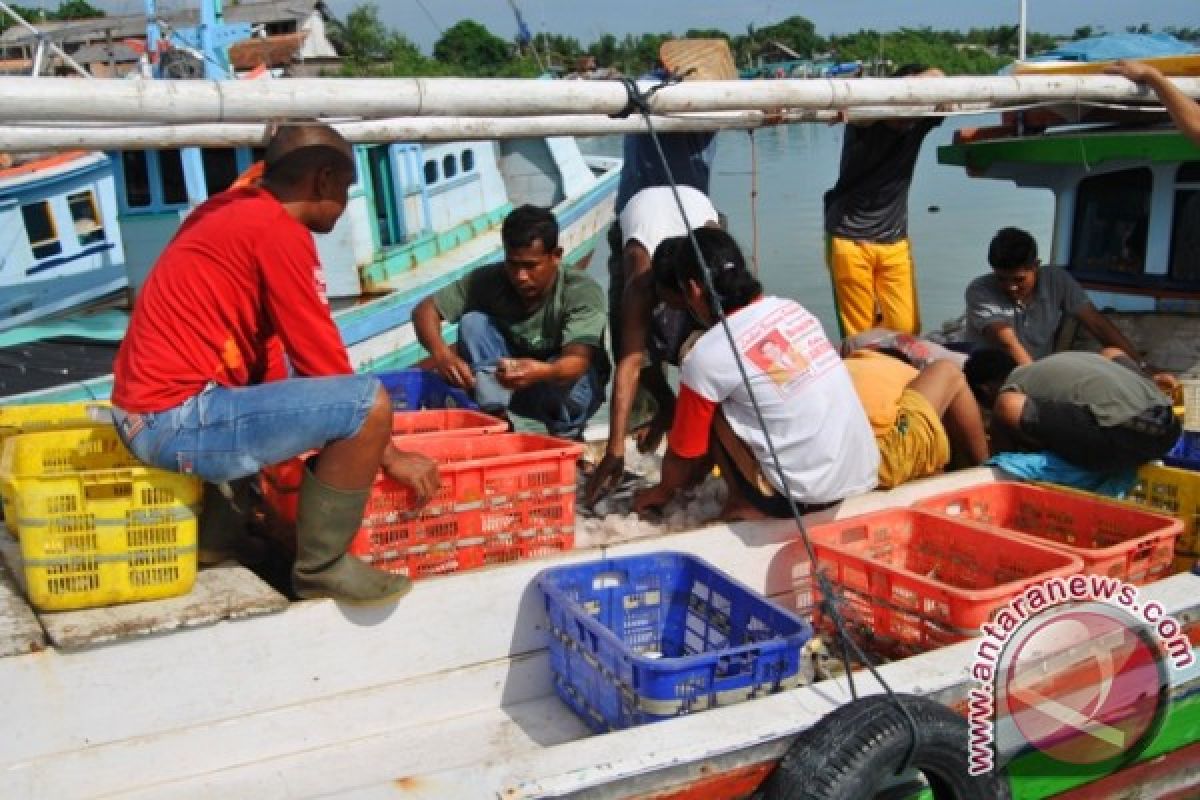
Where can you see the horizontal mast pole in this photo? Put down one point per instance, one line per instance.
(84, 136)
(116, 100)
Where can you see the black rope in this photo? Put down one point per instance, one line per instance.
(639, 101)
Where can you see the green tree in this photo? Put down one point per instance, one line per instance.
(796, 33)
(1082, 32)
(369, 47)
(473, 48)
(76, 9)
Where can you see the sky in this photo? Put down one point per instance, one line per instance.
(423, 20)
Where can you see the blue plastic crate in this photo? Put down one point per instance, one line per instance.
(1186, 452)
(418, 389)
(646, 638)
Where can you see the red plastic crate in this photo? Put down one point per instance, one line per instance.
(504, 497)
(445, 421)
(1113, 539)
(912, 580)
(281, 482)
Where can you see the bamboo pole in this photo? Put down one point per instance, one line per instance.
(91, 136)
(115, 100)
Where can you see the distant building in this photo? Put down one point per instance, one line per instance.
(290, 35)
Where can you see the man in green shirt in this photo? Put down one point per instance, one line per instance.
(1097, 410)
(530, 332)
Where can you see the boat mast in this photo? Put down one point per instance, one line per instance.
(42, 43)
(1020, 30)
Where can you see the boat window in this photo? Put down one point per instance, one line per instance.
(170, 163)
(39, 225)
(431, 172)
(468, 160)
(137, 178)
(1112, 212)
(220, 168)
(1185, 227)
(86, 216)
(450, 166)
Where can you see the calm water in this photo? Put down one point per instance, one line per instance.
(796, 164)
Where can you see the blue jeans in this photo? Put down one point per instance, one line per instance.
(226, 433)
(564, 410)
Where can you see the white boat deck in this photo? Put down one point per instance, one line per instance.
(447, 694)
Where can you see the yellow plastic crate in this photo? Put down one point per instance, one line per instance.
(52, 416)
(97, 526)
(50, 452)
(1175, 491)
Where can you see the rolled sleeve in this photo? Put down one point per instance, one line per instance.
(1074, 298)
(986, 306)
(451, 301)
(585, 316)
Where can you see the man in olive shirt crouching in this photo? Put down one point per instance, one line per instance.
(530, 331)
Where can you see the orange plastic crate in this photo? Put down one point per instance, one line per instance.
(504, 497)
(912, 580)
(281, 482)
(445, 421)
(1112, 538)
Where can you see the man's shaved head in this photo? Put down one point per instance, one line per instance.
(298, 150)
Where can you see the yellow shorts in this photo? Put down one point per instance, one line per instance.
(916, 446)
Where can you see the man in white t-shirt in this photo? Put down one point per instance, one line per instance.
(638, 323)
(817, 425)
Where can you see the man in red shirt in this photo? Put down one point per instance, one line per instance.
(201, 381)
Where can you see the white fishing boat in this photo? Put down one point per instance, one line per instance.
(232, 691)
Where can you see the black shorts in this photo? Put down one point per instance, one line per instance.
(1072, 432)
(773, 505)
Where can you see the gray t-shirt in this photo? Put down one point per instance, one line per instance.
(1113, 393)
(869, 202)
(1035, 322)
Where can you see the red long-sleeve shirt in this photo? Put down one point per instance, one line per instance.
(238, 286)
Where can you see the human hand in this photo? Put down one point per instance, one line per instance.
(650, 437)
(604, 479)
(1135, 71)
(1167, 382)
(416, 471)
(518, 373)
(454, 369)
(650, 501)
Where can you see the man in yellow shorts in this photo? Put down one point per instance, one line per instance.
(919, 417)
(866, 222)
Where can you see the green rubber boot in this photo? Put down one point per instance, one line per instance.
(327, 520)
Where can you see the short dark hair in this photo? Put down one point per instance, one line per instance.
(912, 68)
(297, 150)
(987, 365)
(527, 224)
(675, 261)
(1012, 248)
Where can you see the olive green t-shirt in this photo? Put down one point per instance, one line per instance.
(1114, 394)
(573, 312)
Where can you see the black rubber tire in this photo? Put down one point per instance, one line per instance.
(853, 751)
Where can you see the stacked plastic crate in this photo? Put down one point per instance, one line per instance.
(504, 496)
(96, 526)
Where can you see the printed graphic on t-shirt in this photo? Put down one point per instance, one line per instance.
(319, 283)
(789, 346)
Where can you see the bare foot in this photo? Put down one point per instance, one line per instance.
(739, 512)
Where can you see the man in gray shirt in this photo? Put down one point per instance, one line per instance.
(1020, 305)
(1096, 410)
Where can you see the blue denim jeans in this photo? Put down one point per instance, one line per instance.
(564, 410)
(226, 433)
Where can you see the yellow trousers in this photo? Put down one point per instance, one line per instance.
(868, 277)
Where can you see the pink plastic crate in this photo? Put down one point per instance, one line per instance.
(1113, 539)
(912, 580)
(504, 497)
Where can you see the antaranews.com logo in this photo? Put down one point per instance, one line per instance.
(1076, 668)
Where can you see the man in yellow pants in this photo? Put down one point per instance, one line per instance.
(866, 222)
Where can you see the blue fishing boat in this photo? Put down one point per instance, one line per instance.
(419, 216)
